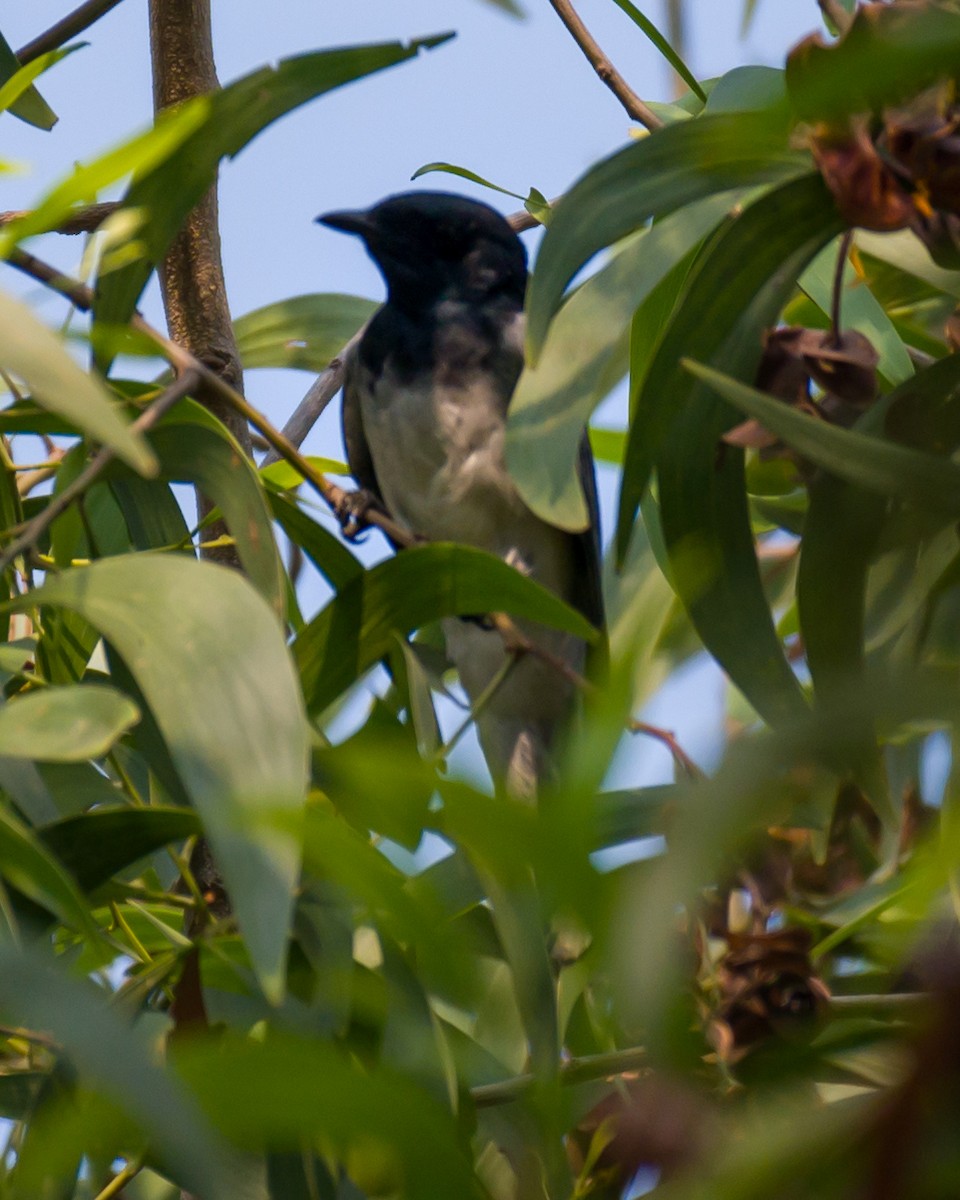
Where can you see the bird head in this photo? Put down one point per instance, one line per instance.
(431, 246)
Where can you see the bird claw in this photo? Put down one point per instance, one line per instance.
(351, 511)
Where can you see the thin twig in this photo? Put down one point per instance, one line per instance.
(680, 756)
(335, 496)
(73, 23)
(82, 220)
(576, 1070)
(188, 381)
(608, 73)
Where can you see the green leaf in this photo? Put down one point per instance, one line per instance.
(327, 553)
(747, 89)
(25, 103)
(841, 534)
(135, 157)
(463, 173)
(65, 724)
(420, 585)
(283, 1090)
(905, 251)
(34, 353)
(28, 865)
(885, 57)
(553, 400)
(18, 96)
(304, 333)
(870, 462)
(661, 43)
(94, 846)
(859, 310)
(120, 1063)
(672, 167)
(234, 116)
(192, 445)
(735, 292)
(150, 512)
(233, 722)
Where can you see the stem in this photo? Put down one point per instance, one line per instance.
(500, 675)
(680, 756)
(73, 23)
(121, 1179)
(635, 107)
(837, 298)
(576, 1070)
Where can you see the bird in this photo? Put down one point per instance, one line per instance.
(425, 401)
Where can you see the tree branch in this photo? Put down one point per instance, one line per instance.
(191, 275)
(73, 23)
(635, 107)
(515, 640)
(83, 220)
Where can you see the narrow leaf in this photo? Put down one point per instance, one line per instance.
(34, 353)
(304, 333)
(420, 585)
(672, 167)
(553, 400)
(870, 462)
(233, 722)
(65, 724)
(673, 58)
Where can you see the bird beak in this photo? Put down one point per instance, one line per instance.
(350, 221)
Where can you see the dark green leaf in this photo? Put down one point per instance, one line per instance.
(420, 585)
(736, 290)
(304, 332)
(327, 553)
(578, 365)
(17, 93)
(193, 445)
(661, 43)
(27, 864)
(93, 846)
(120, 1062)
(233, 116)
(233, 722)
(869, 462)
(281, 1091)
(672, 167)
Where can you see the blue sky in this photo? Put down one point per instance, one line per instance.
(513, 100)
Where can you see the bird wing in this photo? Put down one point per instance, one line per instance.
(359, 458)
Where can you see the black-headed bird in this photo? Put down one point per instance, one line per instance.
(425, 405)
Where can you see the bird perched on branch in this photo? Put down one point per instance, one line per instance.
(424, 419)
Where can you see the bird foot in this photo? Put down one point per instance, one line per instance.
(351, 511)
